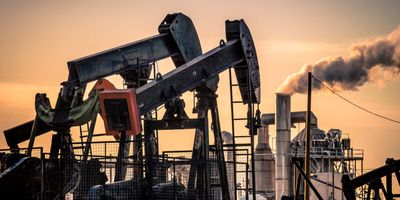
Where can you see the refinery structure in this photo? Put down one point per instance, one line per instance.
(309, 164)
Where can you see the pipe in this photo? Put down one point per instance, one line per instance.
(282, 164)
(295, 117)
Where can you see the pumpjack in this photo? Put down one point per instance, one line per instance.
(373, 180)
(121, 110)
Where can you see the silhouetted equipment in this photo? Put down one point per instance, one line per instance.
(177, 39)
(122, 110)
(373, 180)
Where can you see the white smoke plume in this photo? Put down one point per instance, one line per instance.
(376, 60)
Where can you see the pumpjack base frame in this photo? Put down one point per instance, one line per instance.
(204, 173)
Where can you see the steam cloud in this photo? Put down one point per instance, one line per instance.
(375, 60)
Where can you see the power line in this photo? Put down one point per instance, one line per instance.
(354, 104)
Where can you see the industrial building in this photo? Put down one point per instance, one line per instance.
(331, 155)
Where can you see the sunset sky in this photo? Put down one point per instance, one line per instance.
(38, 38)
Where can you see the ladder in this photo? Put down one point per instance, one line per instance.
(249, 143)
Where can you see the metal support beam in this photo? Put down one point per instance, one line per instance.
(203, 173)
(219, 151)
(90, 133)
(122, 159)
(199, 152)
(308, 182)
(33, 135)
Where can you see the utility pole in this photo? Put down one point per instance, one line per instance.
(308, 139)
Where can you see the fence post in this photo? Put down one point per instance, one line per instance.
(247, 180)
(174, 179)
(42, 175)
(60, 178)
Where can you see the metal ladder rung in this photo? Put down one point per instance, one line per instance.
(240, 119)
(238, 145)
(94, 135)
(244, 189)
(243, 144)
(242, 136)
(239, 85)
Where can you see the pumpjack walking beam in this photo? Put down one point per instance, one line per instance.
(177, 39)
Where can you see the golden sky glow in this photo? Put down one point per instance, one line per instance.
(37, 38)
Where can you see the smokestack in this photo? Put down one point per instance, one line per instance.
(282, 163)
(375, 60)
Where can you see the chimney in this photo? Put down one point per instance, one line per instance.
(282, 163)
